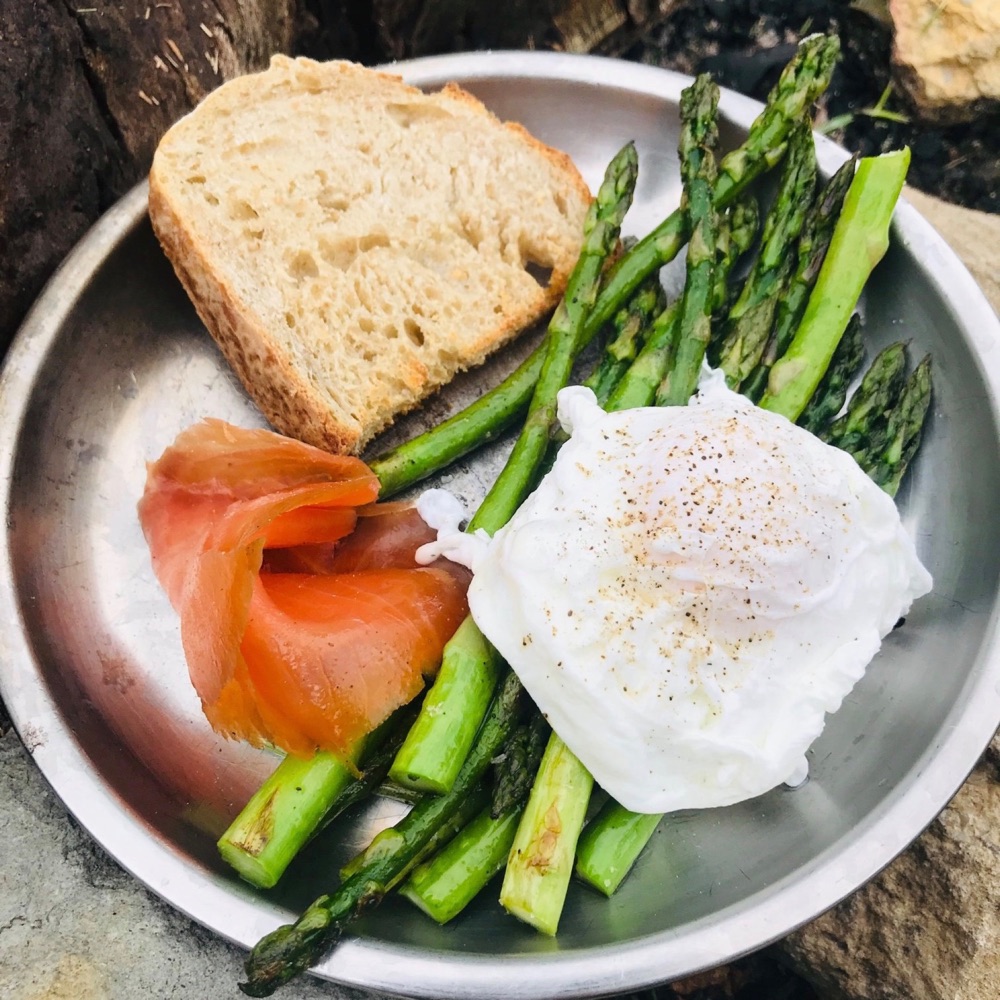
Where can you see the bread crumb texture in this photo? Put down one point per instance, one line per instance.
(353, 243)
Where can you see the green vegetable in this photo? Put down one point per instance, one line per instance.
(699, 134)
(630, 328)
(906, 426)
(859, 242)
(445, 885)
(752, 316)
(541, 857)
(288, 951)
(831, 394)
(813, 244)
(611, 845)
(432, 753)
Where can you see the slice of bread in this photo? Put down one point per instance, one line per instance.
(353, 243)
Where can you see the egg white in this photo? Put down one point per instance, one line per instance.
(690, 591)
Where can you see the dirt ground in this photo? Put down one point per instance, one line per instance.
(744, 44)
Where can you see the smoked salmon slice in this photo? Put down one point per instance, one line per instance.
(304, 617)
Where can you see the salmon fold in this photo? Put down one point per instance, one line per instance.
(304, 617)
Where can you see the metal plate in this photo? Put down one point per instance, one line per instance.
(112, 363)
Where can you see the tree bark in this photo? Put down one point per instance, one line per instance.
(86, 90)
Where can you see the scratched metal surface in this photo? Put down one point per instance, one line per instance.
(113, 363)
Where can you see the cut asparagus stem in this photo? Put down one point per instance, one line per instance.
(443, 886)
(283, 814)
(429, 760)
(804, 78)
(752, 316)
(302, 796)
(859, 242)
(611, 845)
(906, 424)
(629, 329)
(432, 753)
(699, 134)
(541, 857)
(829, 398)
(292, 948)
(813, 244)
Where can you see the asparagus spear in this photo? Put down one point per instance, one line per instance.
(601, 230)
(828, 399)
(387, 839)
(699, 134)
(292, 948)
(804, 78)
(437, 742)
(906, 425)
(432, 754)
(443, 886)
(737, 231)
(541, 857)
(860, 240)
(516, 767)
(813, 244)
(752, 316)
(611, 845)
(863, 430)
(283, 814)
(301, 796)
(630, 326)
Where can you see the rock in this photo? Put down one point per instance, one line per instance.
(947, 56)
(928, 927)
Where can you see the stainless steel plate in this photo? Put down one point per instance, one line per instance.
(113, 363)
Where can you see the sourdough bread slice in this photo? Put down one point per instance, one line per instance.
(352, 243)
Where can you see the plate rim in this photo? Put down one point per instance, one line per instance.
(407, 970)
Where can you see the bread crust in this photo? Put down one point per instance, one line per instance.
(279, 384)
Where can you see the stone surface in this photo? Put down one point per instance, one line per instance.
(947, 55)
(75, 926)
(928, 928)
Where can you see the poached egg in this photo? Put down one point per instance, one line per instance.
(688, 593)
